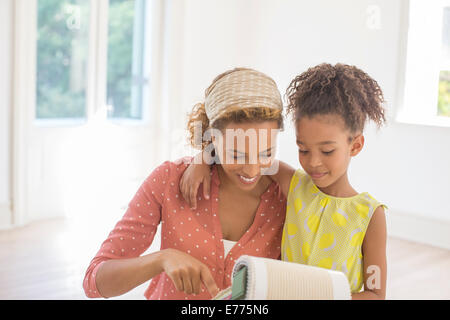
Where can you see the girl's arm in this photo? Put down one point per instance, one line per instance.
(283, 176)
(374, 251)
(196, 173)
(199, 173)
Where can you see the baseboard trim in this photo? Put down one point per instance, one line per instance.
(5, 216)
(419, 229)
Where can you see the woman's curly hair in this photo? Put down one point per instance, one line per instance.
(342, 90)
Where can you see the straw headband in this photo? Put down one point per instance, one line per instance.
(243, 89)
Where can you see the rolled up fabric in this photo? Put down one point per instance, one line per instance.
(269, 279)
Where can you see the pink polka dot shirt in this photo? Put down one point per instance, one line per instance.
(197, 232)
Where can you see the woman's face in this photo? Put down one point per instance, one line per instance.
(245, 151)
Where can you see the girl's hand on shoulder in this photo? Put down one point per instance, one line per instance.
(187, 273)
(283, 176)
(192, 177)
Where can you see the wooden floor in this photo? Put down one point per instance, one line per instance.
(47, 260)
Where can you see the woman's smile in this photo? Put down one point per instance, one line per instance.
(246, 180)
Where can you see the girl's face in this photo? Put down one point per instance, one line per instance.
(245, 150)
(325, 148)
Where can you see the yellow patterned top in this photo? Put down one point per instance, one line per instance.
(325, 231)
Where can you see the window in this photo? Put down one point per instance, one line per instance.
(64, 89)
(126, 79)
(444, 93)
(444, 74)
(426, 98)
(62, 52)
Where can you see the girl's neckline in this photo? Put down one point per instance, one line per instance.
(323, 194)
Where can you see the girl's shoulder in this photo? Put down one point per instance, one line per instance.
(365, 204)
(301, 184)
(302, 189)
(360, 207)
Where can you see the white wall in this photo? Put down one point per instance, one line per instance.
(284, 38)
(405, 166)
(5, 109)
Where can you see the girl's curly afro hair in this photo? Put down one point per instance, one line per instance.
(342, 90)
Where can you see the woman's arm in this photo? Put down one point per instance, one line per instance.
(131, 236)
(374, 251)
(116, 277)
(118, 267)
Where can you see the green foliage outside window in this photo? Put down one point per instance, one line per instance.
(62, 58)
(62, 51)
(444, 94)
(120, 55)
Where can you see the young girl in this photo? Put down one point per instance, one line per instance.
(328, 223)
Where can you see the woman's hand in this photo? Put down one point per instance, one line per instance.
(187, 273)
(194, 175)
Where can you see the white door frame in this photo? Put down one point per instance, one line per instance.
(6, 34)
(24, 76)
(24, 88)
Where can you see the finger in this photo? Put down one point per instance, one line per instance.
(177, 282)
(193, 196)
(187, 196)
(209, 282)
(195, 280)
(181, 184)
(184, 193)
(187, 283)
(206, 187)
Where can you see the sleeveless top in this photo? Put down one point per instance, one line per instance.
(326, 231)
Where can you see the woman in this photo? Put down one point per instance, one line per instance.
(244, 214)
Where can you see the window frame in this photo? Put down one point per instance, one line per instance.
(96, 86)
(144, 67)
(418, 81)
